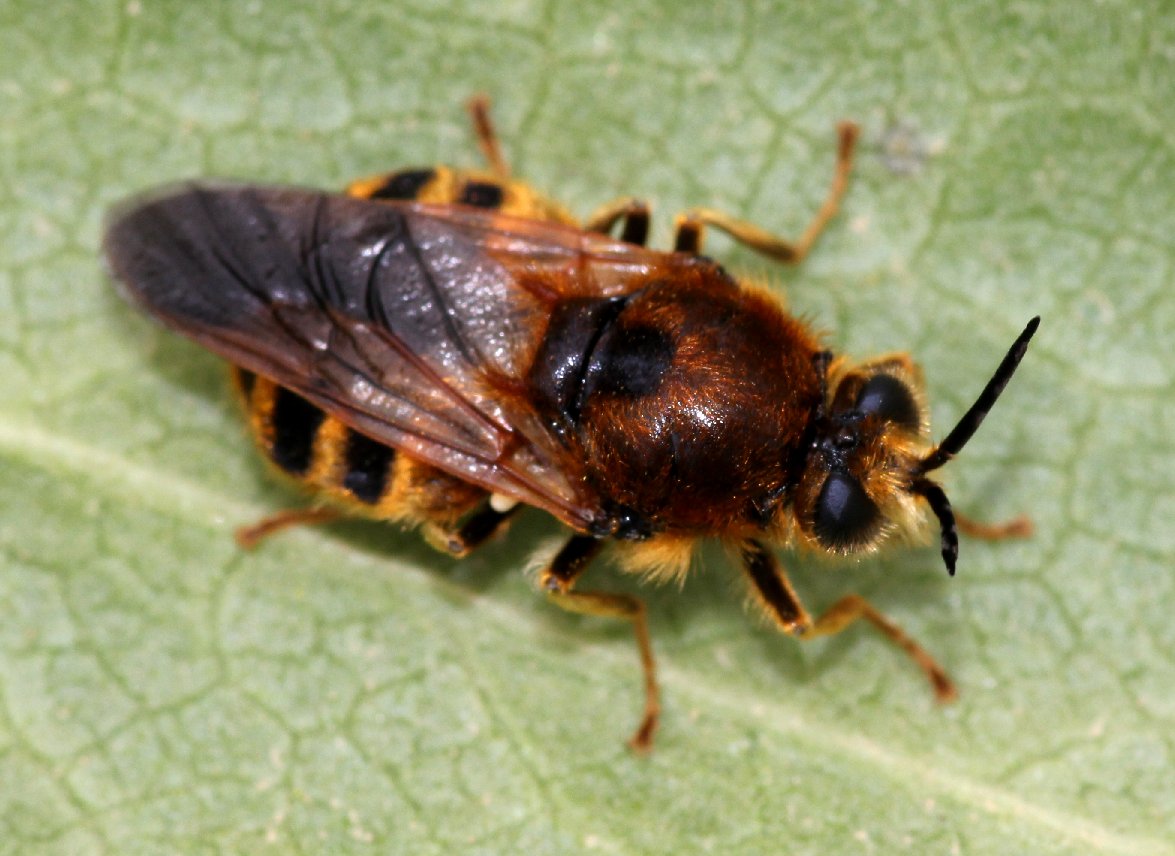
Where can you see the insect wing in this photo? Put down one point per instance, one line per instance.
(416, 324)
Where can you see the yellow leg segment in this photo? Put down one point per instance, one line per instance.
(689, 224)
(775, 593)
(1017, 527)
(557, 581)
(487, 136)
(250, 536)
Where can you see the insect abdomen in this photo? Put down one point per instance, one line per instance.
(372, 478)
(442, 185)
(317, 449)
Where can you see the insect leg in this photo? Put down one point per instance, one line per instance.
(250, 536)
(557, 581)
(779, 599)
(690, 224)
(1017, 527)
(851, 607)
(487, 137)
(479, 528)
(635, 214)
(687, 235)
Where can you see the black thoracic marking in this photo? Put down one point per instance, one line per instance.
(368, 467)
(761, 569)
(482, 194)
(295, 423)
(588, 350)
(404, 185)
(245, 380)
(559, 368)
(628, 360)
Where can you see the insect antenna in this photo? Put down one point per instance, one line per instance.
(973, 418)
(957, 439)
(936, 498)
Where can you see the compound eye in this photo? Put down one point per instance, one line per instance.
(888, 398)
(846, 519)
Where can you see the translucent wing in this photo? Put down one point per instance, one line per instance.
(415, 324)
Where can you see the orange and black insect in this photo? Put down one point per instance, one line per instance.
(440, 346)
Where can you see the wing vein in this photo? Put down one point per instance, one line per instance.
(446, 310)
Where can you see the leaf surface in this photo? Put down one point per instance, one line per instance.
(347, 690)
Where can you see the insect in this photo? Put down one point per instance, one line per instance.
(440, 347)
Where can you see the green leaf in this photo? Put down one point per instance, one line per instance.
(347, 690)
